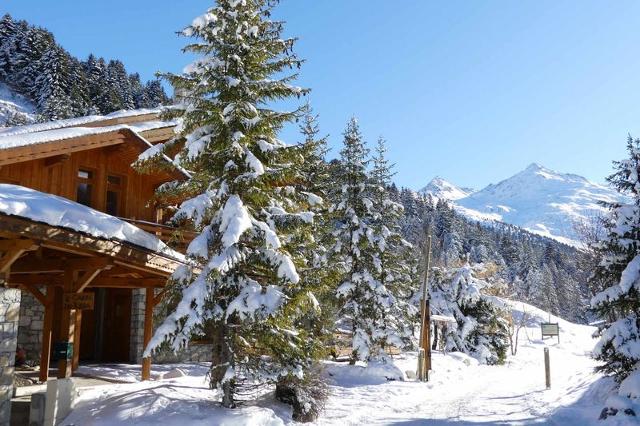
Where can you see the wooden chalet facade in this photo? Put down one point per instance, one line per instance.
(64, 267)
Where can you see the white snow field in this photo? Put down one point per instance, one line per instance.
(460, 391)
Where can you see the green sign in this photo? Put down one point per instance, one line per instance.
(62, 351)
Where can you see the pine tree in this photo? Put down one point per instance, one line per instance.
(54, 102)
(365, 301)
(481, 330)
(8, 35)
(244, 200)
(155, 95)
(619, 305)
(395, 263)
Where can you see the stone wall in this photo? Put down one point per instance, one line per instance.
(196, 352)
(9, 316)
(31, 325)
(137, 325)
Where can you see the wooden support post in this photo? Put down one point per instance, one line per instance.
(547, 368)
(47, 326)
(67, 324)
(149, 303)
(425, 332)
(76, 340)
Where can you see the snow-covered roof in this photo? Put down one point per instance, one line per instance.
(75, 122)
(24, 139)
(60, 212)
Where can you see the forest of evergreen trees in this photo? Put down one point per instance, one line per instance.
(531, 268)
(61, 86)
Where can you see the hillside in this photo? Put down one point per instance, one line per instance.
(14, 108)
(537, 199)
(40, 79)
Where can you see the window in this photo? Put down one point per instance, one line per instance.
(115, 195)
(84, 188)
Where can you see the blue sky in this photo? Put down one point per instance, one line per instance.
(473, 91)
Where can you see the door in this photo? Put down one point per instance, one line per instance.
(116, 327)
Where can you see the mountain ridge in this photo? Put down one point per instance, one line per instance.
(537, 199)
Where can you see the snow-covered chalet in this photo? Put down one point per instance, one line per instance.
(83, 253)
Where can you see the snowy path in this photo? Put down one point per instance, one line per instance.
(460, 392)
(478, 394)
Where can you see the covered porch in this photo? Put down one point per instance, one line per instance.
(68, 256)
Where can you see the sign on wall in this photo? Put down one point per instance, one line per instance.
(82, 301)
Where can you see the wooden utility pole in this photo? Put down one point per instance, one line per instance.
(424, 358)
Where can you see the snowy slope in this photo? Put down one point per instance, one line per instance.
(460, 391)
(14, 106)
(440, 188)
(539, 200)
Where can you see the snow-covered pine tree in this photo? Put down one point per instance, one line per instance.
(154, 94)
(8, 36)
(619, 305)
(482, 330)
(54, 102)
(243, 197)
(365, 301)
(395, 261)
(317, 180)
(118, 81)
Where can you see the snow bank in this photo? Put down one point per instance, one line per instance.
(57, 211)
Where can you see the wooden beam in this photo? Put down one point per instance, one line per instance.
(35, 293)
(101, 281)
(54, 265)
(58, 159)
(12, 251)
(87, 277)
(148, 331)
(61, 146)
(47, 326)
(12, 244)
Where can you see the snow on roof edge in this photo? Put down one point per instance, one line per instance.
(76, 122)
(60, 212)
(26, 139)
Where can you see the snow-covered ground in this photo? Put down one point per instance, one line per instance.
(14, 106)
(460, 391)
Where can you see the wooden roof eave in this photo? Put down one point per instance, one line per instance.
(121, 253)
(58, 147)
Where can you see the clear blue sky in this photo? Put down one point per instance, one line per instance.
(473, 91)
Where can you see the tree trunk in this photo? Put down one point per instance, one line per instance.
(434, 346)
(221, 360)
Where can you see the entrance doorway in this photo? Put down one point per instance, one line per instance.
(106, 330)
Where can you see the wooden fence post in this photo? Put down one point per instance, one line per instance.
(547, 368)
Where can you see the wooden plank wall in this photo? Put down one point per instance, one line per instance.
(58, 175)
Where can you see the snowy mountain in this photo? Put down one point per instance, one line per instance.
(440, 188)
(539, 200)
(14, 108)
